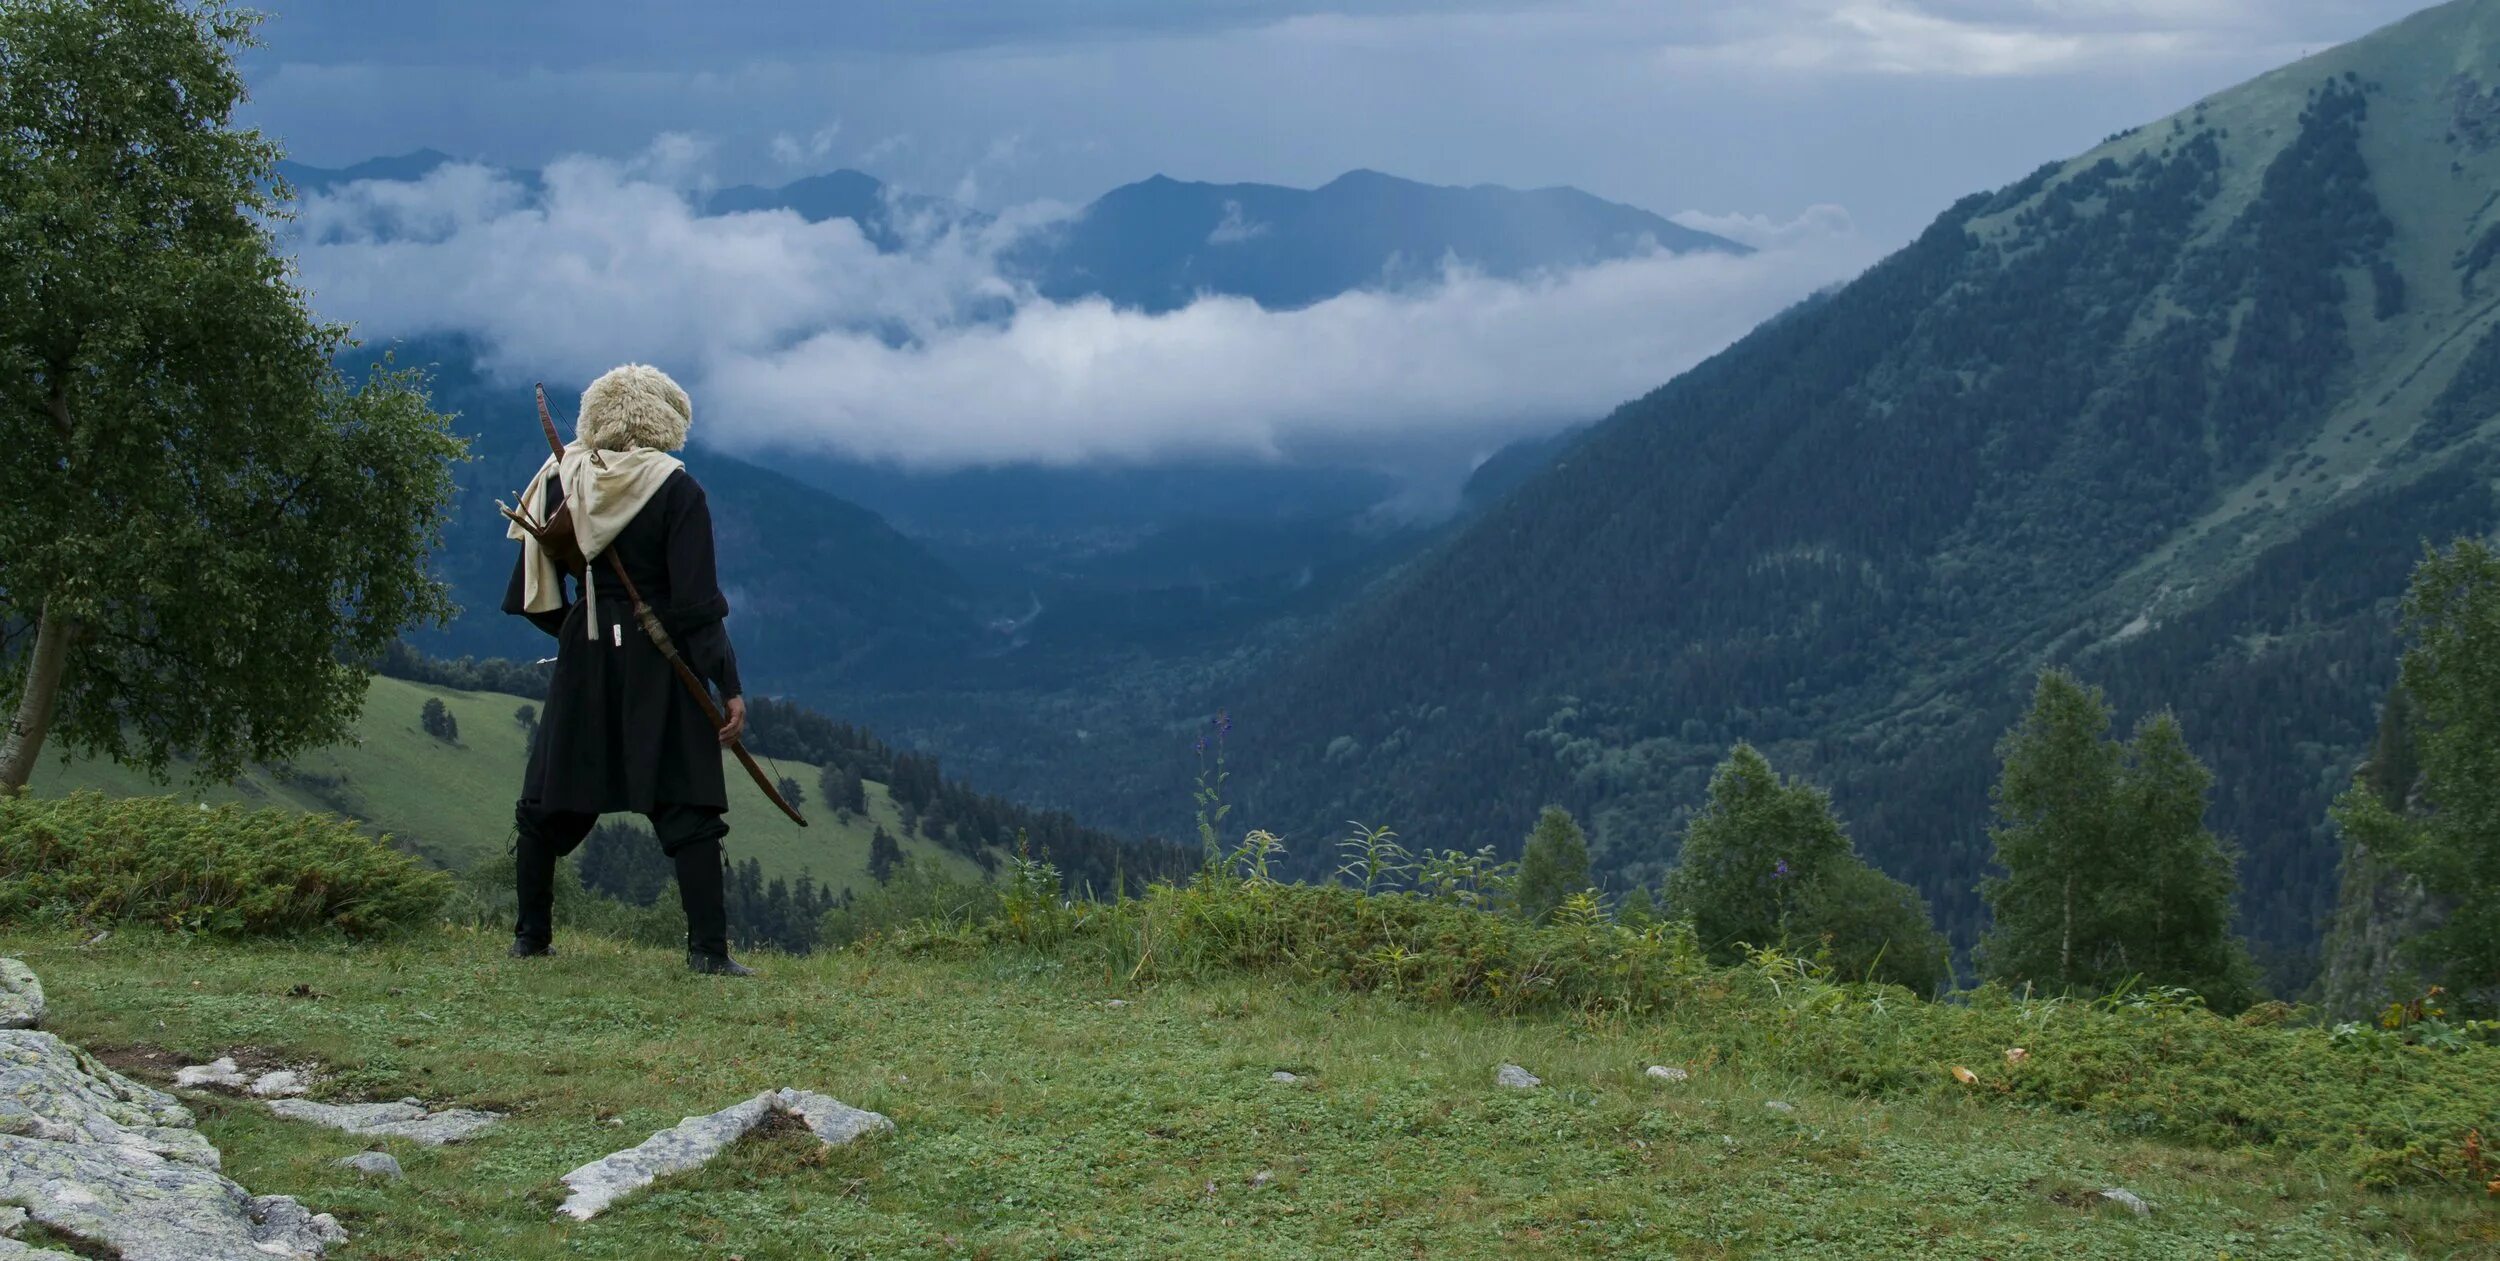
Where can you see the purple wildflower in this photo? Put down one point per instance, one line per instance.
(1223, 723)
(1782, 872)
(1202, 742)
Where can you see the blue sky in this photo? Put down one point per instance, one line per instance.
(1825, 131)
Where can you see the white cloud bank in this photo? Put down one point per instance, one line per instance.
(802, 337)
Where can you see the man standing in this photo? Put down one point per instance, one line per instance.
(619, 732)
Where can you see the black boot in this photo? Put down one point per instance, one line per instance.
(534, 887)
(700, 889)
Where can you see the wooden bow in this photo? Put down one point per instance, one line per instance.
(555, 534)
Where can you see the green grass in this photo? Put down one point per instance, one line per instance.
(452, 803)
(1037, 1121)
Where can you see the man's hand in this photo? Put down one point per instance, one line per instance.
(734, 724)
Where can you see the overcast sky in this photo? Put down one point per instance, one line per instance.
(1890, 108)
(1828, 131)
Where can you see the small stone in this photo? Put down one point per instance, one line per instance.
(1515, 1077)
(1780, 1105)
(1117, 1002)
(217, 1072)
(375, 1164)
(1283, 1077)
(278, 1084)
(2134, 1203)
(21, 996)
(1667, 1072)
(1262, 1178)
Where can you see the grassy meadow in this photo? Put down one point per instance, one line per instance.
(1036, 1119)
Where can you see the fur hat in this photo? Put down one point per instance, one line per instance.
(634, 405)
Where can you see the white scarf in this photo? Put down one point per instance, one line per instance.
(604, 496)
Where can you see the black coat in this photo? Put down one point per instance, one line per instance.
(620, 732)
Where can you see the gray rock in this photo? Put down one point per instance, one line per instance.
(832, 1121)
(282, 1083)
(1283, 1077)
(95, 1156)
(376, 1164)
(1780, 1105)
(406, 1119)
(1667, 1072)
(21, 996)
(217, 1072)
(2134, 1203)
(686, 1145)
(696, 1140)
(54, 1092)
(1517, 1078)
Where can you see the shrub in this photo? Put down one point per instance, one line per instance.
(916, 891)
(226, 870)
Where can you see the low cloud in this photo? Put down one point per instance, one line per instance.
(800, 337)
(1234, 229)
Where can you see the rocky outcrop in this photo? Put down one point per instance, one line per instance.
(696, 1140)
(97, 1157)
(21, 996)
(406, 1119)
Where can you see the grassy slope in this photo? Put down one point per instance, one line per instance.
(453, 803)
(1036, 1121)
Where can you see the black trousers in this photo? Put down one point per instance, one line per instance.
(689, 835)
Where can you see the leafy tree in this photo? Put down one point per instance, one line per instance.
(2111, 876)
(1555, 865)
(2171, 907)
(2451, 732)
(1748, 853)
(437, 720)
(883, 854)
(1639, 908)
(1766, 862)
(2054, 801)
(208, 535)
(790, 792)
(526, 718)
(1868, 926)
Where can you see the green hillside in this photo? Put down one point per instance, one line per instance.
(452, 803)
(2178, 412)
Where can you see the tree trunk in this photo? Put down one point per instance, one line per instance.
(34, 705)
(2066, 937)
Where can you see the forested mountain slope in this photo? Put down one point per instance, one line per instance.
(2178, 412)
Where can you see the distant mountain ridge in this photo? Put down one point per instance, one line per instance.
(1158, 244)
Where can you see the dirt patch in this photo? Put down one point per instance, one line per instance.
(139, 1060)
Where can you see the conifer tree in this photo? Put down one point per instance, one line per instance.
(883, 856)
(1555, 865)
